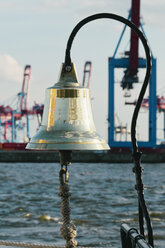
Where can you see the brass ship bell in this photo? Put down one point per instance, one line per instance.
(67, 122)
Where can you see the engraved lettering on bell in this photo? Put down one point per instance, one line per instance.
(72, 110)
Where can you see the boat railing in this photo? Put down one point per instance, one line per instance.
(130, 238)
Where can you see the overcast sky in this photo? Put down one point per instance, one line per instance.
(35, 32)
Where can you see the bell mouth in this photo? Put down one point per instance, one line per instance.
(72, 140)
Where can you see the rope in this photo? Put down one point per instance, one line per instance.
(22, 244)
(36, 245)
(68, 229)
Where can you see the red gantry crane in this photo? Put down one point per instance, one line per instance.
(11, 115)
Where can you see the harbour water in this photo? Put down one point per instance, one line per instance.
(103, 197)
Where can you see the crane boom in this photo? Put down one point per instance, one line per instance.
(87, 74)
(135, 18)
(130, 74)
(25, 88)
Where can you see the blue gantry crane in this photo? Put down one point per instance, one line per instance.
(131, 62)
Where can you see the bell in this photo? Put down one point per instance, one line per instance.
(67, 122)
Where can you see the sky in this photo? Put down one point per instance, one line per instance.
(35, 32)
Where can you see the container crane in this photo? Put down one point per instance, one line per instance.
(10, 115)
(21, 107)
(131, 62)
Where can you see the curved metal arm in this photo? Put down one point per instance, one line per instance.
(136, 156)
(148, 58)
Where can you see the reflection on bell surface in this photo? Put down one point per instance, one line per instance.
(67, 122)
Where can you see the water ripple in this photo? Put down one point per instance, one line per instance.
(103, 197)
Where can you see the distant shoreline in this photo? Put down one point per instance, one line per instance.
(115, 155)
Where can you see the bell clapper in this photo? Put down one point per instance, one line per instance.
(68, 229)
